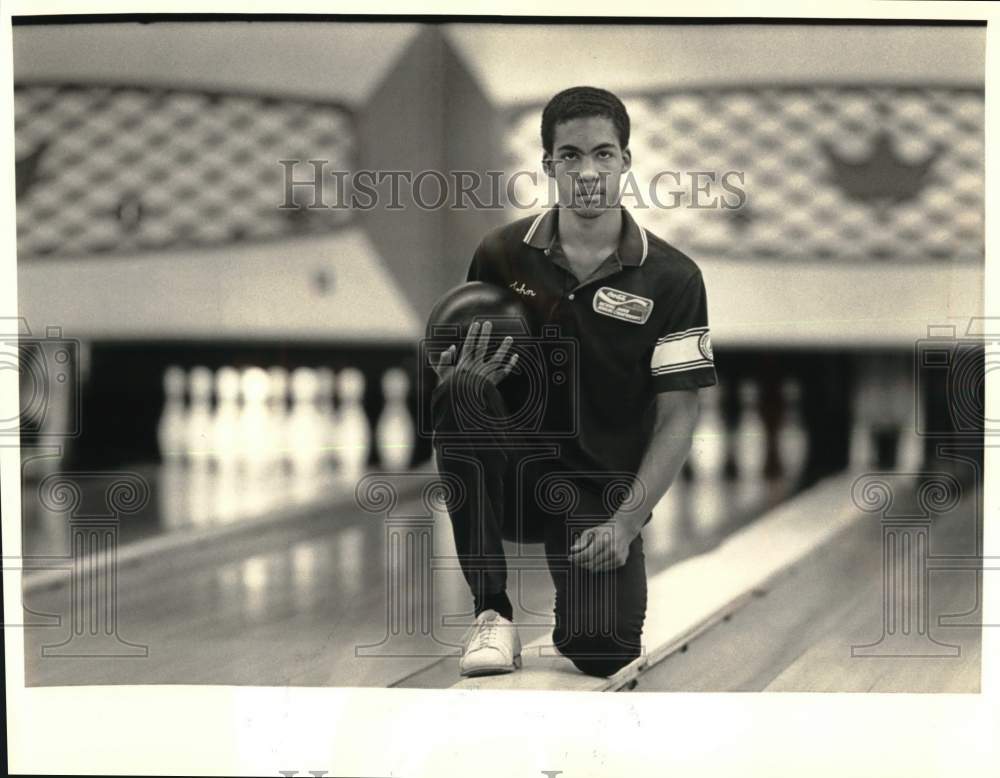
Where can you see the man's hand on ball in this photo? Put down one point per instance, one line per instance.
(473, 360)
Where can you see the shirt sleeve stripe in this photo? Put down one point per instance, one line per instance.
(683, 368)
(682, 334)
(679, 351)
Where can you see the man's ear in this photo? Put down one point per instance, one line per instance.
(627, 158)
(548, 166)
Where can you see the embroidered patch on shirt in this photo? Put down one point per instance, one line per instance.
(622, 305)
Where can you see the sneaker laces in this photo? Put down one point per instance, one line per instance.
(485, 633)
(480, 633)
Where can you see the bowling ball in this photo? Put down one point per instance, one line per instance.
(458, 308)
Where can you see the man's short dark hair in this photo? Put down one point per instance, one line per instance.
(581, 102)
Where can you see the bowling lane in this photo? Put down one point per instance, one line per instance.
(286, 607)
(316, 601)
(182, 500)
(797, 635)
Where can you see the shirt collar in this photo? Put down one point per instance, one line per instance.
(633, 245)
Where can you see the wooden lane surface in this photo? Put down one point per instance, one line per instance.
(798, 635)
(289, 610)
(290, 603)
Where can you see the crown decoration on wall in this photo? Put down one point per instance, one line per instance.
(882, 178)
(831, 172)
(124, 169)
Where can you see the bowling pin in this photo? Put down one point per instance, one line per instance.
(862, 448)
(793, 442)
(708, 450)
(173, 421)
(226, 418)
(305, 430)
(730, 393)
(751, 435)
(352, 423)
(394, 432)
(277, 417)
(910, 456)
(227, 492)
(198, 435)
(257, 451)
(253, 421)
(198, 444)
(328, 414)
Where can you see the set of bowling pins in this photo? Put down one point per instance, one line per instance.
(886, 400)
(713, 446)
(309, 421)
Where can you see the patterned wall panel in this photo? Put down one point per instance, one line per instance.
(831, 172)
(113, 169)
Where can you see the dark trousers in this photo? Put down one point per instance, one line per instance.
(516, 489)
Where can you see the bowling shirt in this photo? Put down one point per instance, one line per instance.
(636, 326)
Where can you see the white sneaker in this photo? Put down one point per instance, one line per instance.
(492, 646)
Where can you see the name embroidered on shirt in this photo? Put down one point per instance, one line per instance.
(522, 289)
(622, 305)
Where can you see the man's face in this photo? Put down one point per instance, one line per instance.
(587, 163)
